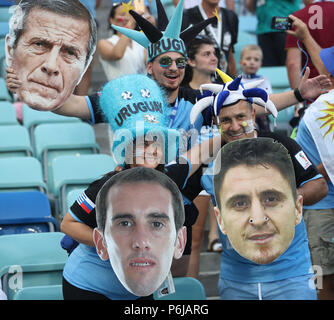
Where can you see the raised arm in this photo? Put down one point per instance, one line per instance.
(308, 89)
(201, 153)
(303, 34)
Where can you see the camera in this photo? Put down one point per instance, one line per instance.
(281, 23)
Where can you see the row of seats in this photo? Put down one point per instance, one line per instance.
(47, 138)
(68, 172)
(31, 268)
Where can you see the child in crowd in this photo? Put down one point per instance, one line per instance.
(250, 62)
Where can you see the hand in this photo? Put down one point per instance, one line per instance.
(12, 81)
(301, 30)
(131, 23)
(119, 168)
(312, 88)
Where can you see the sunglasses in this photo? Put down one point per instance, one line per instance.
(167, 61)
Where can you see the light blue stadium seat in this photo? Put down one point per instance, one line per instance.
(4, 29)
(247, 23)
(51, 292)
(244, 38)
(186, 288)
(26, 212)
(72, 196)
(7, 113)
(54, 139)
(277, 76)
(28, 260)
(5, 13)
(31, 118)
(69, 172)
(14, 141)
(4, 93)
(21, 174)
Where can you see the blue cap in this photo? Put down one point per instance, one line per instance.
(327, 57)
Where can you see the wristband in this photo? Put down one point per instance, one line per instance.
(298, 95)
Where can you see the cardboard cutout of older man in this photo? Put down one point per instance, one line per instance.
(50, 45)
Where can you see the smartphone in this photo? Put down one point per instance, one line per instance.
(281, 23)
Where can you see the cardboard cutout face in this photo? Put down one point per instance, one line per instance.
(140, 238)
(258, 212)
(49, 58)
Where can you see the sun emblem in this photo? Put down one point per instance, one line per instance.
(328, 119)
(150, 118)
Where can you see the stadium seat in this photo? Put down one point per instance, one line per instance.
(54, 139)
(69, 172)
(31, 118)
(25, 212)
(28, 260)
(72, 196)
(277, 76)
(5, 13)
(4, 93)
(4, 29)
(14, 141)
(247, 23)
(186, 288)
(52, 292)
(21, 174)
(7, 113)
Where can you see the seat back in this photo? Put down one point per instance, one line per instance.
(5, 13)
(21, 173)
(7, 113)
(51, 292)
(277, 76)
(4, 93)
(72, 196)
(16, 141)
(60, 136)
(25, 212)
(31, 118)
(54, 139)
(28, 260)
(76, 172)
(186, 288)
(247, 23)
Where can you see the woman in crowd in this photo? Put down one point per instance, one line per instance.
(119, 55)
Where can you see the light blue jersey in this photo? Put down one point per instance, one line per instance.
(85, 270)
(294, 262)
(304, 138)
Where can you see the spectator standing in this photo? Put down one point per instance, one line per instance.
(119, 55)
(224, 33)
(318, 17)
(271, 41)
